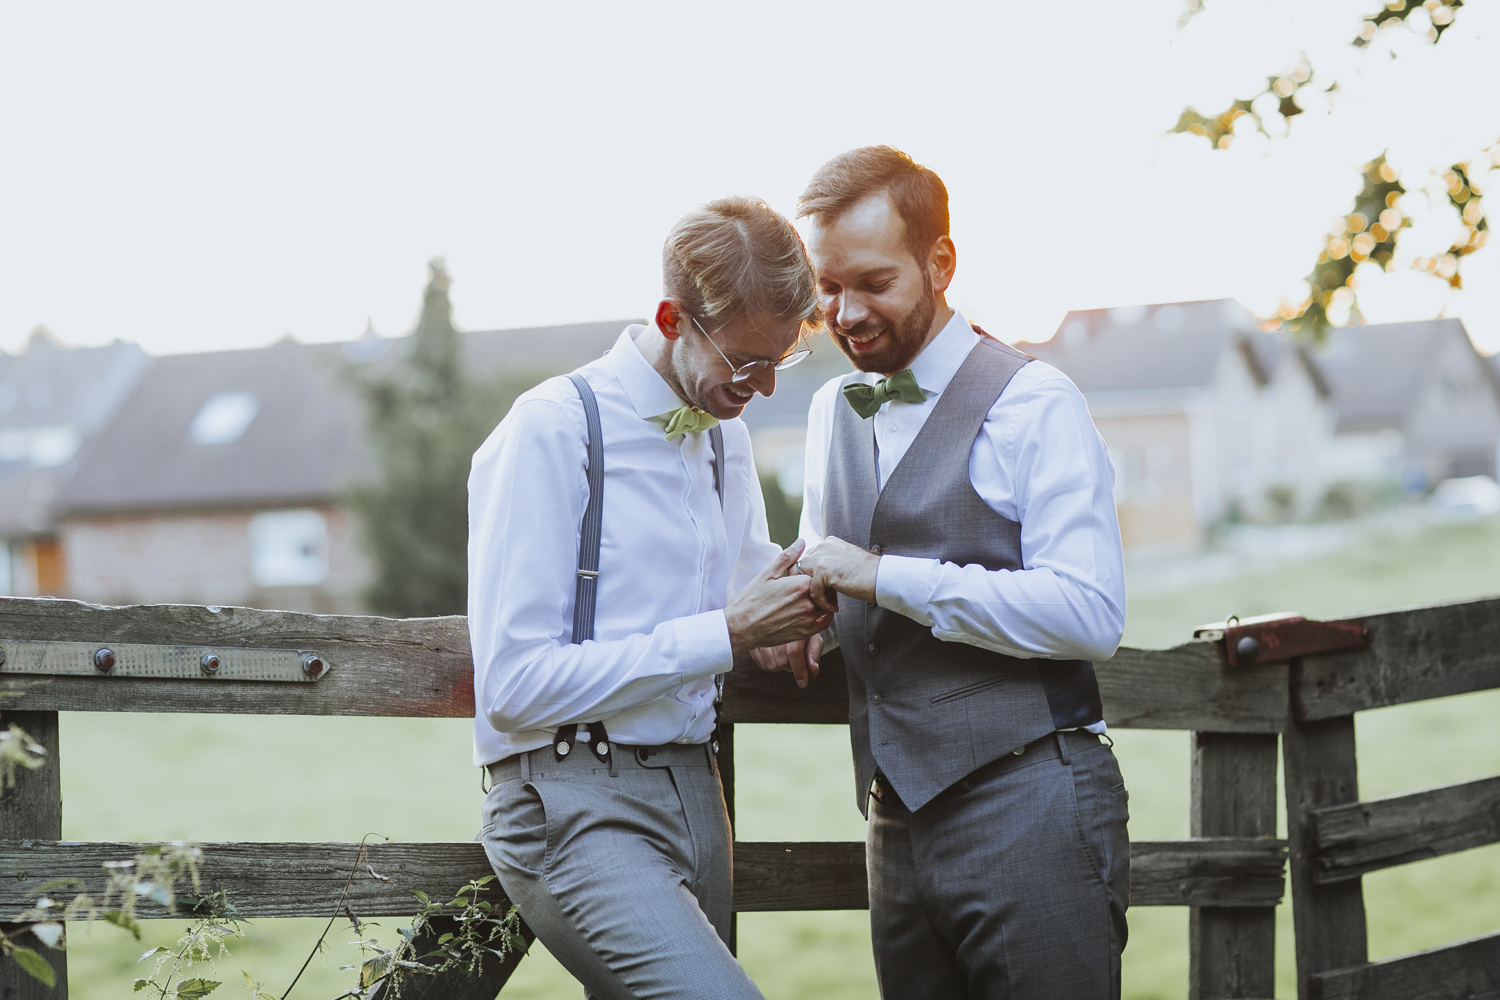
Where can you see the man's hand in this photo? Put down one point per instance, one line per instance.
(775, 608)
(835, 565)
(800, 657)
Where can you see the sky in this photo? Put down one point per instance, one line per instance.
(195, 176)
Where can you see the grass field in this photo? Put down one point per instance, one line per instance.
(241, 778)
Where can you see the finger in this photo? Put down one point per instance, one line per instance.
(798, 664)
(814, 653)
(824, 596)
(784, 562)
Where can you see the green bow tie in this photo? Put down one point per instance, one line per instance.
(686, 419)
(868, 399)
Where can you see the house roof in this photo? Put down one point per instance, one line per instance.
(53, 398)
(1376, 372)
(1174, 345)
(301, 443)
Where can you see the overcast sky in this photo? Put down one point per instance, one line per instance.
(198, 176)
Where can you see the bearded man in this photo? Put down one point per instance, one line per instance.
(628, 488)
(959, 517)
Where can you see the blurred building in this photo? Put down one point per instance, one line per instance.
(1211, 419)
(1207, 417)
(1413, 402)
(53, 400)
(216, 482)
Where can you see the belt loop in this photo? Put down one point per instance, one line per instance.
(708, 749)
(526, 768)
(484, 784)
(614, 767)
(1062, 748)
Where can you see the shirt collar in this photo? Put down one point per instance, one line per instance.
(647, 391)
(939, 361)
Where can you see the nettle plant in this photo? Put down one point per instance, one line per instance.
(169, 875)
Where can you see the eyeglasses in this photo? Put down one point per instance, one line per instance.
(753, 368)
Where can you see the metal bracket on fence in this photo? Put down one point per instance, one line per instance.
(136, 659)
(1281, 636)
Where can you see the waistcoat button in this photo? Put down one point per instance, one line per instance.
(878, 699)
(873, 649)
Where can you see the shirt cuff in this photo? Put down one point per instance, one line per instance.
(903, 584)
(703, 646)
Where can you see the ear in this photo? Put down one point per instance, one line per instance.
(670, 319)
(942, 261)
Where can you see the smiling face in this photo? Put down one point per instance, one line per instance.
(882, 305)
(703, 376)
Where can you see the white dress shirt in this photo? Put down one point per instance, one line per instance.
(1038, 460)
(670, 561)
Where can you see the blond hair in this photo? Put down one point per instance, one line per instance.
(737, 256)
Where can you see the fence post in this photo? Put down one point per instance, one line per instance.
(33, 811)
(1232, 950)
(1330, 919)
(725, 761)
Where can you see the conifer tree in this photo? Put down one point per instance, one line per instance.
(425, 418)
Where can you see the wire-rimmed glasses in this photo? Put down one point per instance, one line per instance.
(752, 368)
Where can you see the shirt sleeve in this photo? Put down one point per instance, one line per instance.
(527, 489)
(1039, 460)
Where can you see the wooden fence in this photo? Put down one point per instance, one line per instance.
(1231, 873)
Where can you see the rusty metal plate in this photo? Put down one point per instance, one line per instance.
(1278, 637)
(134, 659)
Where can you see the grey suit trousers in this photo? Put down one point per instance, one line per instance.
(624, 872)
(1011, 885)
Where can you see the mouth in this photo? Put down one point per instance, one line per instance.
(863, 341)
(739, 395)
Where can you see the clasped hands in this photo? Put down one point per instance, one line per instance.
(780, 616)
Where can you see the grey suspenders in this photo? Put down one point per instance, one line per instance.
(590, 536)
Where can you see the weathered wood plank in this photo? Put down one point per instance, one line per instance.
(380, 666)
(1465, 970)
(422, 667)
(305, 879)
(1232, 950)
(1184, 688)
(1219, 871)
(33, 808)
(1414, 654)
(1190, 687)
(827, 875)
(1364, 837)
(1329, 920)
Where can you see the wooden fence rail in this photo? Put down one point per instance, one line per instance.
(1232, 873)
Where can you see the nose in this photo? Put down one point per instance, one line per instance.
(763, 382)
(850, 311)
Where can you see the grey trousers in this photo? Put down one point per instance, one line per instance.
(1012, 885)
(623, 872)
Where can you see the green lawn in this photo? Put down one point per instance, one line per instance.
(237, 778)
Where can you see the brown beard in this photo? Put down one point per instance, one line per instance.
(904, 342)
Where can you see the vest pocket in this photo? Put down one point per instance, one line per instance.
(971, 689)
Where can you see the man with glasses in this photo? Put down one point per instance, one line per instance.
(618, 560)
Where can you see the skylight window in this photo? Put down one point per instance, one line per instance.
(224, 418)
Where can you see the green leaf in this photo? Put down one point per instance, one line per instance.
(34, 964)
(196, 989)
(57, 883)
(425, 899)
(148, 954)
(375, 968)
(141, 984)
(124, 921)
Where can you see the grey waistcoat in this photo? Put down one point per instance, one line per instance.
(922, 711)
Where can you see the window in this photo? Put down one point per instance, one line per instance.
(224, 418)
(288, 548)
